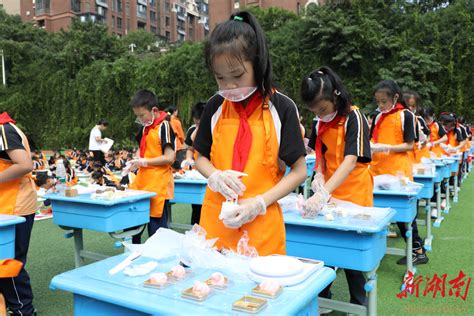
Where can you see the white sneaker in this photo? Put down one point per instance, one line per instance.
(434, 213)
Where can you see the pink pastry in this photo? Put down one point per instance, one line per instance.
(218, 279)
(200, 289)
(270, 286)
(178, 272)
(158, 278)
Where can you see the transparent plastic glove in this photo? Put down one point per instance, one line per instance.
(187, 164)
(315, 204)
(429, 145)
(246, 212)
(227, 183)
(380, 148)
(138, 162)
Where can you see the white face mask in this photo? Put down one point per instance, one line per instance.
(327, 118)
(238, 94)
(145, 124)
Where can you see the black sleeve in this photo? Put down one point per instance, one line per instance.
(203, 141)
(357, 142)
(441, 130)
(424, 127)
(188, 141)
(291, 141)
(167, 137)
(463, 131)
(409, 127)
(459, 134)
(312, 138)
(9, 140)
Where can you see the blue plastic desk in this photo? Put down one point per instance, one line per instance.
(83, 212)
(358, 245)
(188, 191)
(98, 293)
(7, 235)
(405, 204)
(426, 193)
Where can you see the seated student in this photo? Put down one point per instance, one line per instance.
(46, 184)
(118, 161)
(99, 178)
(71, 177)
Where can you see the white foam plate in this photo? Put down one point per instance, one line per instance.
(309, 267)
(275, 266)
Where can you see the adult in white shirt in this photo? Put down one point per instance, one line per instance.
(95, 139)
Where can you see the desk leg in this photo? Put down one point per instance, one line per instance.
(371, 288)
(455, 193)
(429, 237)
(78, 247)
(448, 197)
(439, 218)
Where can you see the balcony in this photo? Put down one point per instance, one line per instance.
(91, 17)
(141, 15)
(142, 2)
(41, 11)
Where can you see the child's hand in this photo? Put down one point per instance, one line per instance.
(246, 212)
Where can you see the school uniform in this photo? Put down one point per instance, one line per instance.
(437, 131)
(347, 135)
(275, 135)
(455, 137)
(189, 141)
(159, 179)
(18, 197)
(394, 128)
(423, 152)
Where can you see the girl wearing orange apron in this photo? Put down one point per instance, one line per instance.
(437, 133)
(250, 128)
(157, 153)
(393, 136)
(191, 154)
(420, 150)
(17, 197)
(340, 138)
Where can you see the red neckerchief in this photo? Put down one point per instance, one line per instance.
(375, 133)
(5, 118)
(243, 140)
(147, 129)
(322, 128)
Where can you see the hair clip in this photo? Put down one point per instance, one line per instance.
(337, 92)
(238, 18)
(309, 78)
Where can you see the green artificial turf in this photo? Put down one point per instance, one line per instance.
(50, 254)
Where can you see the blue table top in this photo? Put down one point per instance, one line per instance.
(341, 223)
(94, 281)
(424, 176)
(86, 198)
(190, 181)
(7, 220)
(398, 193)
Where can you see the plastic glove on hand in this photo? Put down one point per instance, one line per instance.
(227, 183)
(315, 204)
(246, 212)
(138, 162)
(187, 164)
(380, 148)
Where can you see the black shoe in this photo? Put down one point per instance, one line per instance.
(417, 258)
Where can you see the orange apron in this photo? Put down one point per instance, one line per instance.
(158, 179)
(18, 197)
(391, 133)
(452, 141)
(359, 178)
(267, 232)
(434, 136)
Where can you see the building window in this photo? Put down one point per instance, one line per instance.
(152, 2)
(167, 21)
(113, 22)
(76, 5)
(168, 35)
(101, 10)
(141, 25)
(119, 5)
(153, 29)
(181, 25)
(42, 6)
(141, 11)
(153, 16)
(181, 37)
(119, 23)
(167, 6)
